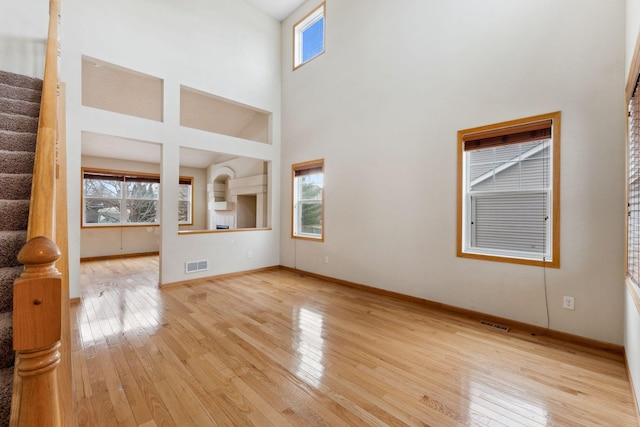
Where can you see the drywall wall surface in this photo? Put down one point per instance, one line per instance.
(632, 29)
(226, 48)
(23, 36)
(383, 105)
(632, 341)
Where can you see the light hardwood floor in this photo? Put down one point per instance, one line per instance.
(276, 349)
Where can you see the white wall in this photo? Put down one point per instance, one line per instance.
(632, 315)
(632, 29)
(382, 106)
(23, 36)
(226, 48)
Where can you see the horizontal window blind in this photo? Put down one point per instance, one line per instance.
(633, 189)
(517, 134)
(512, 222)
(120, 177)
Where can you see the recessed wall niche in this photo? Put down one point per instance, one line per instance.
(121, 90)
(204, 111)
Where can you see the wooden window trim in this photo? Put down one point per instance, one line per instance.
(498, 130)
(297, 167)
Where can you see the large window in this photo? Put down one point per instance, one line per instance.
(126, 198)
(308, 37)
(508, 191)
(308, 196)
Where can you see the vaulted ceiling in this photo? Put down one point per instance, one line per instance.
(278, 9)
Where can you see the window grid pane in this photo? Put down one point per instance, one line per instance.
(102, 211)
(184, 203)
(313, 40)
(142, 211)
(102, 188)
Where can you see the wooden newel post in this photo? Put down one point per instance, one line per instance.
(36, 332)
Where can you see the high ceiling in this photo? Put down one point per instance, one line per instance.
(279, 9)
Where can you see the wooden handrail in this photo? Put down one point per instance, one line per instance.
(40, 296)
(42, 208)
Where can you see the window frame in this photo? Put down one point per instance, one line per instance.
(295, 202)
(299, 28)
(500, 132)
(120, 175)
(183, 181)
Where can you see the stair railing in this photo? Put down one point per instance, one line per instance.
(42, 384)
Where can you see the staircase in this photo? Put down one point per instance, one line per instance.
(19, 111)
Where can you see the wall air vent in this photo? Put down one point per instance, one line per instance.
(196, 266)
(494, 325)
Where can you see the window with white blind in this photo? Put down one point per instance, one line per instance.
(308, 196)
(508, 204)
(633, 189)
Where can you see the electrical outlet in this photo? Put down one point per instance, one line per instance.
(249, 254)
(326, 259)
(568, 303)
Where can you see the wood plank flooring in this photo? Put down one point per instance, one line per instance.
(278, 349)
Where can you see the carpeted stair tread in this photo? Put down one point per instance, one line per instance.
(16, 161)
(14, 215)
(10, 244)
(6, 388)
(15, 186)
(17, 106)
(19, 80)
(20, 98)
(17, 141)
(7, 276)
(16, 123)
(21, 93)
(7, 355)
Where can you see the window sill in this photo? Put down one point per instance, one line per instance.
(231, 230)
(120, 226)
(512, 260)
(312, 239)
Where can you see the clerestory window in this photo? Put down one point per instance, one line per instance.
(308, 37)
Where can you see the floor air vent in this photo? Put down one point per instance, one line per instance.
(494, 325)
(196, 266)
